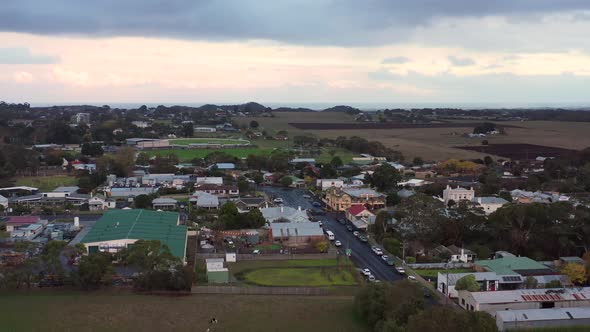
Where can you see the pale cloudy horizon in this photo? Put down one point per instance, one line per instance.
(457, 52)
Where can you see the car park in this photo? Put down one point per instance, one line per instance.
(320, 223)
(337, 243)
(341, 220)
(366, 272)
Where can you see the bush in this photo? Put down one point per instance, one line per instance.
(410, 260)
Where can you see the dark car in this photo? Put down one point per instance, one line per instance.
(363, 238)
(349, 228)
(317, 204)
(341, 220)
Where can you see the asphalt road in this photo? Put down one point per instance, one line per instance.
(362, 255)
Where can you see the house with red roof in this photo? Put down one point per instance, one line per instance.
(360, 216)
(16, 222)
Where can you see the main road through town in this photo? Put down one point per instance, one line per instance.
(362, 255)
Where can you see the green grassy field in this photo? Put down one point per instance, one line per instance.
(433, 273)
(188, 155)
(121, 311)
(45, 183)
(187, 141)
(300, 276)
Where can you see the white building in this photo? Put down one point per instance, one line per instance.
(559, 318)
(293, 215)
(490, 204)
(140, 124)
(209, 180)
(4, 201)
(324, 184)
(458, 194)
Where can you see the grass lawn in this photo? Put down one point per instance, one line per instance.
(273, 246)
(433, 273)
(300, 276)
(243, 266)
(122, 311)
(187, 141)
(188, 155)
(45, 183)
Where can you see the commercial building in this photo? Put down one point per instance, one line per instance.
(512, 265)
(545, 298)
(458, 194)
(360, 216)
(219, 189)
(16, 222)
(3, 201)
(164, 203)
(542, 318)
(296, 234)
(203, 200)
(51, 199)
(117, 229)
(341, 199)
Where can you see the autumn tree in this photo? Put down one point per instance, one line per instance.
(576, 273)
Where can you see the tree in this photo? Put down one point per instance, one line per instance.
(553, 284)
(576, 273)
(336, 162)
(228, 216)
(124, 162)
(254, 124)
(50, 256)
(92, 149)
(530, 283)
(321, 246)
(286, 181)
(188, 130)
(95, 270)
(392, 199)
(468, 283)
(439, 319)
(385, 178)
(379, 228)
(392, 246)
(418, 161)
(149, 255)
(254, 219)
(143, 201)
(143, 159)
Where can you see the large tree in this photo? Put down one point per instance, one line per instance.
(95, 270)
(385, 178)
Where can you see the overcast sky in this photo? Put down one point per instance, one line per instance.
(501, 52)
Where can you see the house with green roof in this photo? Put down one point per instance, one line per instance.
(118, 229)
(513, 265)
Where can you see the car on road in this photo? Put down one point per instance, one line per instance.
(400, 270)
(390, 262)
(349, 228)
(363, 238)
(366, 272)
(377, 250)
(278, 200)
(337, 243)
(306, 196)
(384, 258)
(356, 233)
(371, 278)
(341, 220)
(321, 223)
(411, 278)
(317, 204)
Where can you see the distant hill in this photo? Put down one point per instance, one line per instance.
(343, 109)
(291, 109)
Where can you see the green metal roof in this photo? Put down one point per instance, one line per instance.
(140, 224)
(508, 265)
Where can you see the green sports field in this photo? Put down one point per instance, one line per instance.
(190, 154)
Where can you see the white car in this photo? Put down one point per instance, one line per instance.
(385, 257)
(411, 278)
(278, 200)
(306, 196)
(366, 272)
(356, 233)
(321, 223)
(372, 278)
(400, 270)
(337, 243)
(378, 251)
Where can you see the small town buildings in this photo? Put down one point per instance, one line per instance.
(340, 200)
(296, 234)
(360, 216)
(16, 222)
(61, 197)
(118, 229)
(489, 282)
(209, 180)
(204, 200)
(147, 143)
(4, 202)
(223, 166)
(219, 189)
(167, 180)
(245, 204)
(457, 194)
(80, 118)
(413, 183)
(490, 204)
(216, 273)
(303, 161)
(525, 197)
(164, 203)
(559, 318)
(512, 266)
(132, 192)
(140, 124)
(99, 203)
(520, 299)
(325, 184)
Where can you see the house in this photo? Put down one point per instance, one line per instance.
(558, 318)
(405, 193)
(219, 189)
(489, 282)
(297, 182)
(461, 254)
(132, 192)
(209, 180)
(296, 234)
(118, 229)
(413, 183)
(216, 273)
(204, 200)
(521, 299)
(490, 204)
(164, 203)
(457, 194)
(397, 166)
(99, 202)
(360, 216)
(324, 184)
(4, 202)
(140, 124)
(29, 232)
(16, 222)
(512, 265)
(284, 213)
(169, 180)
(525, 197)
(245, 204)
(341, 199)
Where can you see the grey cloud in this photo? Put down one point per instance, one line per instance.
(460, 62)
(343, 22)
(395, 60)
(23, 56)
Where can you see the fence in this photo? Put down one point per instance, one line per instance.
(305, 291)
(239, 257)
(427, 266)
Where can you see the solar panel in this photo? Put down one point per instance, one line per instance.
(511, 278)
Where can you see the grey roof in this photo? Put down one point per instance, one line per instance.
(164, 200)
(405, 193)
(528, 315)
(294, 215)
(532, 295)
(479, 276)
(66, 189)
(491, 200)
(126, 192)
(207, 200)
(3, 199)
(362, 192)
(280, 229)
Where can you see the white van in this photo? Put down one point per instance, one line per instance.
(330, 235)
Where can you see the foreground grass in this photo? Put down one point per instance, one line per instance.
(301, 276)
(46, 183)
(77, 311)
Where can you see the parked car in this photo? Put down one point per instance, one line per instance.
(384, 257)
(349, 228)
(317, 204)
(278, 200)
(363, 238)
(366, 272)
(341, 220)
(371, 278)
(356, 233)
(306, 196)
(400, 270)
(321, 223)
(377, 251)
(411, 278)
(337, 243)
(390, 262)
